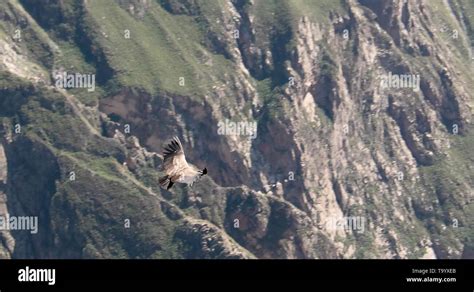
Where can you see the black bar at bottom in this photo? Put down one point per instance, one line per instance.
(454, 274)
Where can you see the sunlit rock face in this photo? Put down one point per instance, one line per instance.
(330, 130)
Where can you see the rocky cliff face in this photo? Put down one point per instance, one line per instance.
(330, 130)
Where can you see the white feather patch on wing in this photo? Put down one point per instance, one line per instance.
(174, 160)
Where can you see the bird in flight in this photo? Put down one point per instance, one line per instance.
(177, 168)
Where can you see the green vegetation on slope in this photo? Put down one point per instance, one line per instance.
(162, 48)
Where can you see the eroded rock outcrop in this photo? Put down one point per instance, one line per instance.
(332, 143)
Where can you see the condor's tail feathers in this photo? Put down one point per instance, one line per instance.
(165, 182)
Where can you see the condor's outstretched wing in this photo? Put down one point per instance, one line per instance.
(174, 159)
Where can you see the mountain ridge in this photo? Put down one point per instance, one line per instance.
(307, 75)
